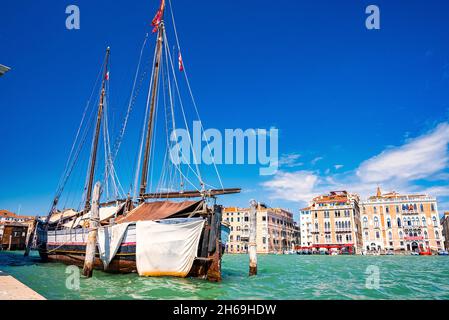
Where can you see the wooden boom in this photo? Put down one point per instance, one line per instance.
(180, 195)
(191, 194)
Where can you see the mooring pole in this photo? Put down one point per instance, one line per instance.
(92, 238)
(252, 239)
(30, 237)
(10, 242)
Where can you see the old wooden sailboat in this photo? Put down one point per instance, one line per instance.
(150, 233)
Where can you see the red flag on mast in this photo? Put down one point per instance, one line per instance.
(158, 17)
(181, 64)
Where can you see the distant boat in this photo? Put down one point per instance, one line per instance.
(443, 253)
(414, 253)
(425, 253)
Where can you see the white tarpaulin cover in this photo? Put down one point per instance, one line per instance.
(168, 248)
(109, 240)
(105, 213)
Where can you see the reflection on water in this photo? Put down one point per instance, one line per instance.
(280, 277)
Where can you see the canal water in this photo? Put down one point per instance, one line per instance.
(280, 277)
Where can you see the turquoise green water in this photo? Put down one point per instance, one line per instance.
(280, 277)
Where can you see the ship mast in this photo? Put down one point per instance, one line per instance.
(93, 156)
(153, 94)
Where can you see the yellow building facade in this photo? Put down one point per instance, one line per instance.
(335, 223)
(401, 223)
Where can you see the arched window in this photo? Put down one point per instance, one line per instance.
(399, 222)
(388, 222)
(376, 222)
(365, 222)
(401, 235)
(435, 223)
(390, 235)
(426, 235)
(437, 235)
(424, 223)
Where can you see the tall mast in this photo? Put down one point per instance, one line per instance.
(153, 94)
(93, 156)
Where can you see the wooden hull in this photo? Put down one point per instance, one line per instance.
(69, 247)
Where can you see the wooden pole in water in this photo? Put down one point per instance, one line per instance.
(10, 242)
(252, 239)
(94, 222)
(30, 237)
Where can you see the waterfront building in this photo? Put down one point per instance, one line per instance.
(12, 236)
(445, 229)
(7, 217)
(276, 230)
(305, 224)
(335, 222)
(401, 223)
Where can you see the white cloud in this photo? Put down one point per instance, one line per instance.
(424, 158)
(338, 166)
(417, 159)
(293, 186)
(314, 161)
(290, 160)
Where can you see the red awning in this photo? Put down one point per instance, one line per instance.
(330, 246)
(159, 210)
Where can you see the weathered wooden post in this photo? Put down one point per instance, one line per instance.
(252, 239)
(10, 242)
(94, 222)
(30, 237)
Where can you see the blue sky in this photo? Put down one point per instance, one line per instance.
(355, 108)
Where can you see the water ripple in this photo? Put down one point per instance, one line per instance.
(288, 277)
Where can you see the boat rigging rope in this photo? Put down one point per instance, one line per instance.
(191, 95)
(73, 157)
(172, 113)
(132, 100)
(166, 160)
(143, 134)
(197, 173)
